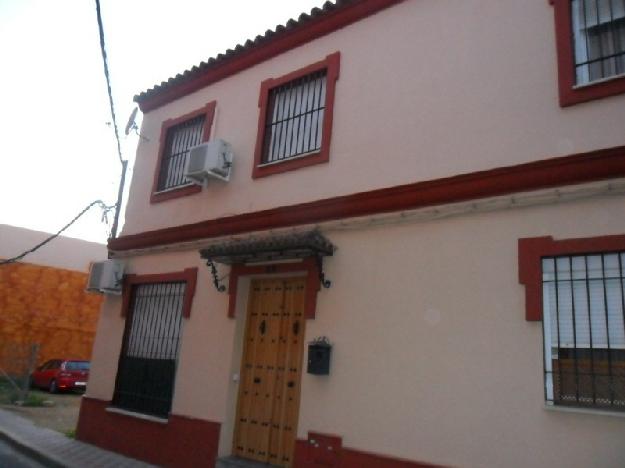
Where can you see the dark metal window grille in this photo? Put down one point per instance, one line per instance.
(179, 140)
(584, 331)
(598, 39)
(295, 118)
(147, 365)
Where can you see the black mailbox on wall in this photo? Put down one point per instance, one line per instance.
(319, 352)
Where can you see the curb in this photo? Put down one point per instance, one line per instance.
(29, 450)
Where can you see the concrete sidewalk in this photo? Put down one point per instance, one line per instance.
(54, 449)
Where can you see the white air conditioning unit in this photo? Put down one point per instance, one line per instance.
(211, 159)
(106, 277)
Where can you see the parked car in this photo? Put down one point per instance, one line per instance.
(61, 374)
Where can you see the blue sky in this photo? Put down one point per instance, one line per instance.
(58, 152)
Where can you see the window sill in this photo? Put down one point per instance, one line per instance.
(600, 81)
(589, 411)
(177, 192)
(571, 94)
(132, 414)
(290, 164)
(292, 158)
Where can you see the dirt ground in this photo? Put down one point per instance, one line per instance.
(62, 416)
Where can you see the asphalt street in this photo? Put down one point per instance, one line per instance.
(11, 458)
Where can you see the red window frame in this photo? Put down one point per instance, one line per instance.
(571, 94)
(331, 64)
(188, 275)
(209, 111)
(531, 251)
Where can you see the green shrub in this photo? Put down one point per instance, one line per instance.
(34, 399)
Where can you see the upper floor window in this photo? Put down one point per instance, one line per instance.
(294, 125)
(295, 120)
(599, 39)
(180, 139)
(591, 49)
(584, 332)
(178, 136)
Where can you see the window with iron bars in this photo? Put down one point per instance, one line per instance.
(147, 364)
(294, 122)
(598, 39)
(584, 331)
(178, 141)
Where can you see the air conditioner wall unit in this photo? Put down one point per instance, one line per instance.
(210, 159)
(106, 277)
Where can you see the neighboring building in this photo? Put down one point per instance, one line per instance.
(476, 158)
(43, 298)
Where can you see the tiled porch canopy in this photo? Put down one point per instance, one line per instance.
(270, 248)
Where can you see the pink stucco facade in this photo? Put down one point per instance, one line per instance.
(434, 361)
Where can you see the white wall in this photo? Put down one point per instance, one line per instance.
(432, 360)
(427, 89)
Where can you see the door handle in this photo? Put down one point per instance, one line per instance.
(256, 379)
(263, 327)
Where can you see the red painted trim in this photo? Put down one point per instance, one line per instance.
(324, 450)
(281, 42)
(181, 442)
(332, 64)
(307, 265)
(209, 111)
(575, 169)
(189, 276)
(569, 95)
(531, 250)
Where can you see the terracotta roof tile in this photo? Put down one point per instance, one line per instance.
(196, 76)
(291, 23)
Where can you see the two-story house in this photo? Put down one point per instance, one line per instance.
(433, 188)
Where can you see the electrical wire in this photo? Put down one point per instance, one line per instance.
(100, 203)
(123, 162)
(108, 79)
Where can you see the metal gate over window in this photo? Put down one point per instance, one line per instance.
(295, 118)
(147, 364)
(584, 330)
(180, 139)
(598, 39)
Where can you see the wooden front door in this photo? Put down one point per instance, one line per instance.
(271, 368)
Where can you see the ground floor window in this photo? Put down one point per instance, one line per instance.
(584, 331)
(147, 364)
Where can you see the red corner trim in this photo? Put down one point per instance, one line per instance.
(569, 94)
(332, 64)
(271, 47)
(531, 250)
(189, 275)
(567, 170)
(157, 197)
(308, 265)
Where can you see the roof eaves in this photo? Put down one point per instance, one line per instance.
(320, 21)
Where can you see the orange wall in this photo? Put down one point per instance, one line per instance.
(49, 306)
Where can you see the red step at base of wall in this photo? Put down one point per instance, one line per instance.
(181, 442)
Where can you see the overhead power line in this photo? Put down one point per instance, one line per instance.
(124, 163)
(108, 79)
(100, 203)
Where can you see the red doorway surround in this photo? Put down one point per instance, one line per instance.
(308, 265)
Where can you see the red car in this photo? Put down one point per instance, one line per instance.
(61, 374)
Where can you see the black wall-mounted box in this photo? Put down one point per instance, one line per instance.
(319, 357)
